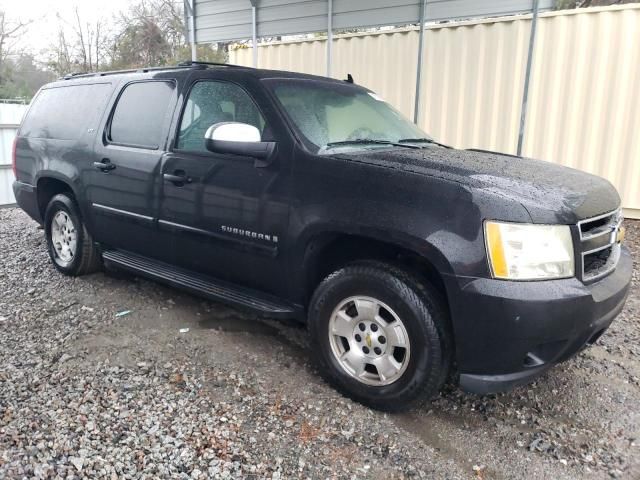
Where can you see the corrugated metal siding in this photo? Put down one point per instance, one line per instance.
(382, 63)
(224, 20)
(286, 17)
(10, 118)
(458, 9)
(584, 104)
(585, 96)
(473, 82)
(307, 56)
(366, 13)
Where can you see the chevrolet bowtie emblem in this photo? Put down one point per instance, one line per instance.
(368, 339)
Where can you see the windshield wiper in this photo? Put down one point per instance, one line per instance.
(423, 140)
(365, 141)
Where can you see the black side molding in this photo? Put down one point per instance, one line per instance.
(205, 286)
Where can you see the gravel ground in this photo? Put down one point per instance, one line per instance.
(85, 392)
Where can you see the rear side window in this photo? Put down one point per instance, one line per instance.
(65, 113)
(141, 113)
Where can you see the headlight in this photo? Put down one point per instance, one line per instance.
(520, 251)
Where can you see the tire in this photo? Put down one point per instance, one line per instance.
(71, 249)
(396, 296)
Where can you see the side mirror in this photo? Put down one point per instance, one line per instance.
(239, 139)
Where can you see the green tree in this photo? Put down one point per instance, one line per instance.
(204, 53)
(152, 33)
(141, 43)
(22, 76)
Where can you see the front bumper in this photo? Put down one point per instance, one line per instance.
(507, 333)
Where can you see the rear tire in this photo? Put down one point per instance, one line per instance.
(390, 304)
(70, 245)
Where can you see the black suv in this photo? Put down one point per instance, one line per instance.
(305, 197)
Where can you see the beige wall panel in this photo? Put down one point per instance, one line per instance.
(384, 63)
(584, 103)
(305, 57)
(584, 109)
(473, 81)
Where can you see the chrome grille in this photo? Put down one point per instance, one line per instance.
(599, 248)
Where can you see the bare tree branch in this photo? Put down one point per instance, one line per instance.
(10, 33)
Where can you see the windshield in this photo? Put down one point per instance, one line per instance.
(332, 116)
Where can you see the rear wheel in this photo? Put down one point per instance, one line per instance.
(379, 335)
(70, 245)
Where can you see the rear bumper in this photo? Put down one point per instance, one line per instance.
(27, 199)
(508, 333)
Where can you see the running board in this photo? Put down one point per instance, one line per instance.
(208, 287)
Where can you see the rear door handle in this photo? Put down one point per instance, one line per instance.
(105, 165)
(178, 178)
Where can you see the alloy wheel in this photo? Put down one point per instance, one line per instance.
(64, 238)
(369, 340)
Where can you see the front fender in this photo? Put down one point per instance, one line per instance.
(436, 218)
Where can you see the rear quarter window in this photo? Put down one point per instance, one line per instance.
(65, 113)
(140, 114)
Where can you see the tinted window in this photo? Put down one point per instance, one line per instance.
(65, 113)
(212, 102)
(140, 114)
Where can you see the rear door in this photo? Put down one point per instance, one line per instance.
(123, 179)
(230, 218)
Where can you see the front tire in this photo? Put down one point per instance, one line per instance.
(379, 335)
(70, 245)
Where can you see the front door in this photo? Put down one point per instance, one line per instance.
(227, 214)
(123, 180)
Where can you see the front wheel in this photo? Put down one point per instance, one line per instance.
(379, 335)
(70, 245)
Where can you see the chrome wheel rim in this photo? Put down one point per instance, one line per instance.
(369, 341)
(64, 238)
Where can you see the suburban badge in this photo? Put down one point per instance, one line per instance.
(249, 234)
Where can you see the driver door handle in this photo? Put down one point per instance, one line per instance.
(178, 178)
(105, 165)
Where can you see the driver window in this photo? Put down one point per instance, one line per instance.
(212, 102)
(190, 115)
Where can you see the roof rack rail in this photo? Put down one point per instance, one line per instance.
(185, 64)
(69, 76)
(195, 63)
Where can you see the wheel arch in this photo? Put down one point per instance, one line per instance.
(50, 184)
(85, 255)
(327, 251)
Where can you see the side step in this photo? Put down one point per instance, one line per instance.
(202, 285)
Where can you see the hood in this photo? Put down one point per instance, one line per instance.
(550, 193)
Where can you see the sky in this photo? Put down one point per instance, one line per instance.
(43, 14)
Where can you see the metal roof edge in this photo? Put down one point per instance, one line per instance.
(451, 24)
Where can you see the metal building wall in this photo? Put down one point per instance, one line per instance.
(585, 97)
(584, 103)
(224, 20)
(209, 24)
(10, 117)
